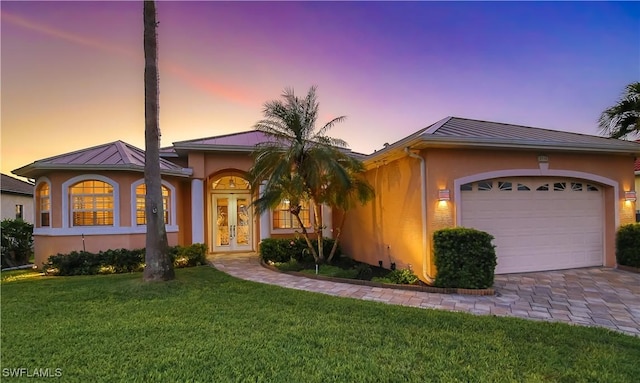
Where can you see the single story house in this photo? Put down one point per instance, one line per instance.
(16, 199)
(551, 199)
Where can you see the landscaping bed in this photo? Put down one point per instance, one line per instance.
(346, 270)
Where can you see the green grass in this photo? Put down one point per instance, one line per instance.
(333, 271)
(206, 326)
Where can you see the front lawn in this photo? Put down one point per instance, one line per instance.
(209, 327)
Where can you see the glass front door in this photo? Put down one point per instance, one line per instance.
(231, 222)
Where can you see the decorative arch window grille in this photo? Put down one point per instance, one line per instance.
(544, 187)
(505, 186)
(485, 185)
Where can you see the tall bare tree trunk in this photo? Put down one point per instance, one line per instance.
(158, 265)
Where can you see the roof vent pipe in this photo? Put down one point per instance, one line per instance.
(423, 204)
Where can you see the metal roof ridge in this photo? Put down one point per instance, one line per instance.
(215, 137)
(125, 150)
(433, 128)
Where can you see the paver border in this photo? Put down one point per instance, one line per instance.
(630, 269)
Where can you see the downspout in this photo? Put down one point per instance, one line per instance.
(423, 203)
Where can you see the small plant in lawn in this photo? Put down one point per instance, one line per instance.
(402, 277)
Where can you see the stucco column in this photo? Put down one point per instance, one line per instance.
(197, 211)
(264, 217)
(327, 220)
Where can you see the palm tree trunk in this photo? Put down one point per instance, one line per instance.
(158, 265)
(305, 233)
(337, 239)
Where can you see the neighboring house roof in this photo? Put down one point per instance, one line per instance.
(116, 155)
(465, 132)
(12, 185)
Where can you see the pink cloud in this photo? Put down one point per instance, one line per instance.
(194, 80)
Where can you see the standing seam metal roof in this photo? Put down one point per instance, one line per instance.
(464, 128)
(116, 154)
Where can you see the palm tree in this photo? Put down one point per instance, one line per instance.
(623, 118)
(158, 265)
(299, 162)
(345, 198)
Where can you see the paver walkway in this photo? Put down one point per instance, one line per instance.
(592, 296)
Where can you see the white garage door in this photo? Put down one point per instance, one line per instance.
(538, 223)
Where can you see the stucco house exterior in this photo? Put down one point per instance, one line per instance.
(637, 173)
(551, 199)
(16, 199)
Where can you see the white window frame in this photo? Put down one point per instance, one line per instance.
(37, 203)
(292, 230)
(70, 210)
(66, 208)
(170, 226)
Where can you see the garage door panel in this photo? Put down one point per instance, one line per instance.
(539, 230)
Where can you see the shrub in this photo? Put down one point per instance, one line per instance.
(628, 245)
(122, 261)
(189, 256)
(402, 277)
(74, 263)
(17, 242)
(275, 250)
(465, 258)
(119, 260)
(280, 250)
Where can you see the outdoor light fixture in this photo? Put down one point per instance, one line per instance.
(444, 195)
(630, 196)
(543, 158)
(232, 183)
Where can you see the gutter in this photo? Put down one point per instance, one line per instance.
(423, 205)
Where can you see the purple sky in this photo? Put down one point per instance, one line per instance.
(72, 72)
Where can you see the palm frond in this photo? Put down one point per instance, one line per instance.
(623, 118)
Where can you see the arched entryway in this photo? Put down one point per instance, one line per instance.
(230, 214)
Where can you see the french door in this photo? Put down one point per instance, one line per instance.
(231, 222)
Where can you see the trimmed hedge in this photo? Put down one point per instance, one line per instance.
(281, 250)
(628, 245)
(119, 260)
(464, 258)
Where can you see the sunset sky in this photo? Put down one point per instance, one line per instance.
(72, 72)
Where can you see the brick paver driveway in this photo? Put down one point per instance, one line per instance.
(593, 296)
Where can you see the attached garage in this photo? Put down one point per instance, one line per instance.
(553, 200)
(539, 223)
